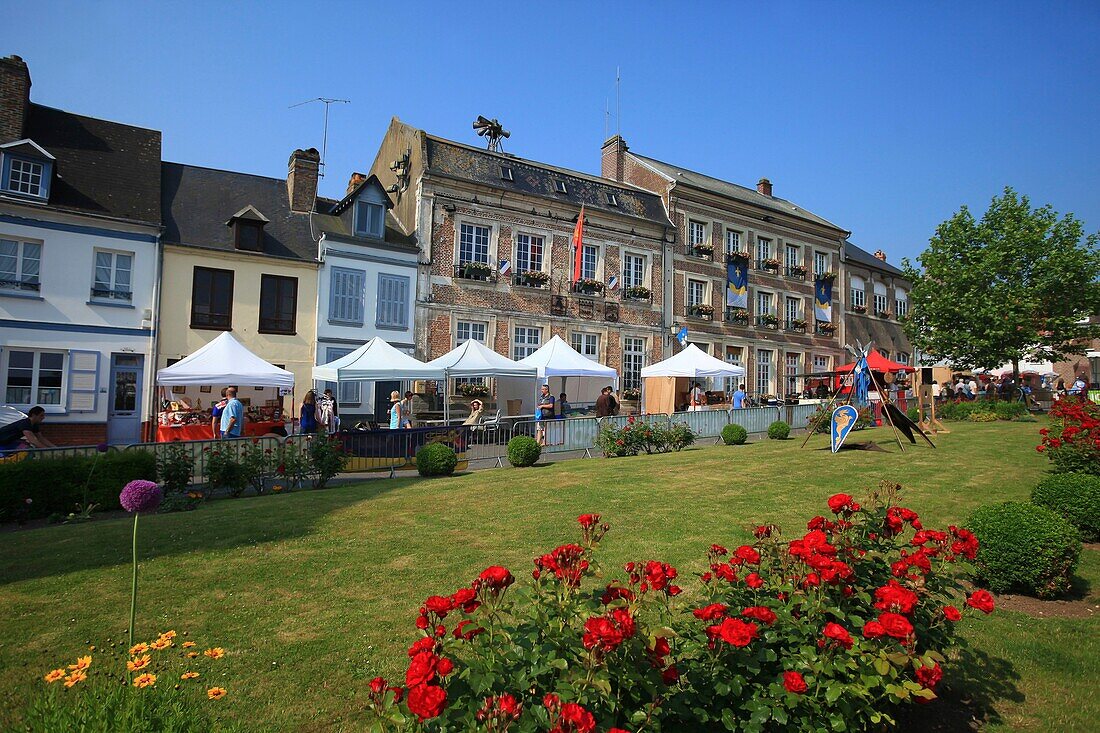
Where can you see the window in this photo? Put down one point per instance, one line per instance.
(792, 255)
(111, 278)
(880, 298)
(526, 342)
(821, 263)
(857, 293)
(763, 249)
(393, 302)
(901, 303)
(821, 364)
(346, 296)
(506, 173)
(369, 219)
(633, 361)
(697, 233)
(633, 271)
(794, 310)
(560, 187)
(734, 356)
(763, 372)
(612, 199)
(248, 235)
(590, 258)
(212, 298)
(348, 392)
(697, 292)
(529, 252)
(763, 303)
(20, 263)
(587, 344)
(34, 377)
(473, 244)
(471, 331)
(26, 177)
(278, 303)
(793, 360)
(733, 241)
(902, 358)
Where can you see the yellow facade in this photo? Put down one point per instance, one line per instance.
(176, 338)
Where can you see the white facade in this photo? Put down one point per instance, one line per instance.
(77, 326)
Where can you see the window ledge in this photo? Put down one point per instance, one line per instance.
(203, 327)
(350, 324)
(276, 333)
(109, 304)
(390, 327)
(24, 296)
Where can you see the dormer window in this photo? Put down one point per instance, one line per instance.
(560, 187)
(248, 229)
(612, 199)
(26, 169)
(506, 173)
(369, 219)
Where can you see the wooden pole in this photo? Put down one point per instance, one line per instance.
(885, 411)
(827, 413)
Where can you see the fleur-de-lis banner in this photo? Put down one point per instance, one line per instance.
(737, 284)
(823, 300)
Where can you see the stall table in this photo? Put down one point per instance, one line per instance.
(169, 433)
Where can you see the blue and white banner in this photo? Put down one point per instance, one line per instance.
(737, 284)
(682, 336)
(844, 419)
(505, 267)
(613, 282)
(823, 300)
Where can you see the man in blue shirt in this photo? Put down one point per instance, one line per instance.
(739, 397)
(232, 415)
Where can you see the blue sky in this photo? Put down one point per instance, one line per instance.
(882, 117)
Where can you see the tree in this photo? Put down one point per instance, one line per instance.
(1015, 285)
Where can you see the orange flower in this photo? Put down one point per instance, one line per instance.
(168, 635)
(188, 644)
(162, 643)
(192, 655)
(77, 676)
(145, 680)
(140, 663)
(138, 648)
(55, 675)
(189, 675)
(215, 653)
(216, 693)
(82, 663)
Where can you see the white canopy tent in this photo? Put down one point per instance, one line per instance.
(556, 358)
(690, 363)
(375, 360)
(225, 361)
(474, 359)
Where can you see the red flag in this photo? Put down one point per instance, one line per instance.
(578, 246)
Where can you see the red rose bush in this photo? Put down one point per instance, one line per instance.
(1072, 443)
(833, 628)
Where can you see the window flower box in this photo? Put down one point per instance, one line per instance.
(532, 279)
(475, 271)
(588, 286)
(636, 292)
(796, 325)
(797, 272)
(768, 320)
(824, 328)
(859, 309)
(703, 251)
(769, 264)
(631, 394)
(701, 310)
(828, 276)
(882, 314)
(737, 257)
(737, 316)
(472, 389)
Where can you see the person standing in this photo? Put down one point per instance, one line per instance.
(1079, 387)
(696, 398)
(232, 422)
(739, 397)
(563, 407)
(332, 425)
(395, 410)
(308, 413)
(543, 411)
(407, 410)
(603, 403)
(216, 416)
(973, 386)
(25, 431)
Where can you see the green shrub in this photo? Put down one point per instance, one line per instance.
(224, 469)
(175, 467)
(779, 430)
(1024, 548)
(977, 416)
(327, 458)
(963, 409)
(56, 485)
(523, 451)
(913, 414)
(1075, 496)
(734, 435)
(180, 501)
(436, 459)
(640, 436)
(678, 436)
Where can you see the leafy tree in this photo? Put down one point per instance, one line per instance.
(1014, 285)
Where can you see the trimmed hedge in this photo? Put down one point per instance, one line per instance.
(523, 451)
(1075, 496)
(1024, 548)
(952, 410)
(56, 485)
(734, 435)
(779, 430)
(436, 459)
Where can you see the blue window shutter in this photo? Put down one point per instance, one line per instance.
(346, 295)
(83, 383)
(393, 293)
(401, 300)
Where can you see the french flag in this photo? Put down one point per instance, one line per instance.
(505, 267)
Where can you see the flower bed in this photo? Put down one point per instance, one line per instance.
(837, 626)
(1072, 443)
(642, 437)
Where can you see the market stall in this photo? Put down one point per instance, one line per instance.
(556, 360)
(224, 362)
(665, 384)
(474, 359)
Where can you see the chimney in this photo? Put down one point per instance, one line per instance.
(15, 97)
(301, 179)
(613, 153)
(764, 186)
(880, 255)
(356, 179)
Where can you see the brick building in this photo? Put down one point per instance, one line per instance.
(495, 236)
(877, 299)
(777, 337)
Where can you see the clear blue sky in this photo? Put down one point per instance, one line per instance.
(882, 117)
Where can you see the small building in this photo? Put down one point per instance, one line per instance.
(79, 224)
(876, 302)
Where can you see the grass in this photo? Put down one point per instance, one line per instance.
(313, 593)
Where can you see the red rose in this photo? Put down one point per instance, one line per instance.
(421, 669)
(496, 578)
(671, 675)
(426, 644)
(839, 502)
(587, 521)
(837, 633)
(719, 550)
(981, 600)
(895, 597)
(753, 580)
(929, 676)
(760, 613)
(444, 667)
(873, 630)
(794, 682)
(378, 685)
(577, 718)
(952, 614)
(896, 625)
(439, 605)
(710, 613)
(427, 701)
(735, 632)
(466, 599)
(745, 553)
(616, 592)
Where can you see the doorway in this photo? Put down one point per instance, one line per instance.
(124, 408)
(382, 402)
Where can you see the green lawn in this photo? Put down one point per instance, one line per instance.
(313, 593)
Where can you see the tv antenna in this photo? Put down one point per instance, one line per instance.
(492, 131)
(324, 141)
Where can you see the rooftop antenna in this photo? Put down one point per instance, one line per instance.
(492, 131)
(324, 141)
(618, 123)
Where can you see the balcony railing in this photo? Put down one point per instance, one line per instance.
(737, 316)
(795, 325)
(702, 251)
(589, 287)
(795, 272)
(766, 320)
(538, 280)
(478, 271)
(703, 312)
(33, 286)
(108, 294)
(769, 265)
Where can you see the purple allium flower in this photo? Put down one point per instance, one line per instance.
(140, 496)
(102, 448)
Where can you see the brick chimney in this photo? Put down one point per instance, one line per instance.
(356, 179)
(613, 153)
(15, 97)
(764, 186)
(880, 255)
(301, 179)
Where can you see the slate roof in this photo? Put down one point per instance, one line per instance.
(860, 256)
(102, 167)
(731, 190)
(197, 202)
(465, 162)
(882, 334)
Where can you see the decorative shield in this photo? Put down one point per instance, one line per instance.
(844, 419)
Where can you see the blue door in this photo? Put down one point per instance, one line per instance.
(124, 406)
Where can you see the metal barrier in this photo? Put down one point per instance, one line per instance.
(67, 451)
(704, 423)
(200, 450)
(755, 419)
(561, 436)
(798, 415)
(621, 421)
